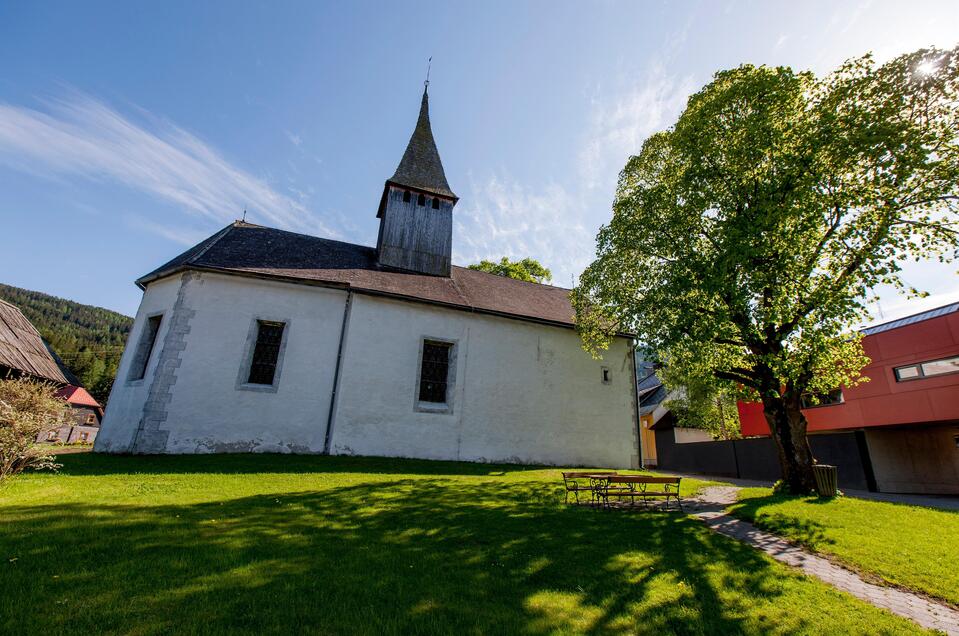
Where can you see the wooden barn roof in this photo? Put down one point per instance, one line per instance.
(21, 347)
(252, 250)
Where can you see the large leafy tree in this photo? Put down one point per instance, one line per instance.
(749, 233)
(528, 269)
(698, 398)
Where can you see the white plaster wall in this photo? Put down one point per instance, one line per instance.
(125, 405)
(523, 393)
(684, 435)
(208, 413)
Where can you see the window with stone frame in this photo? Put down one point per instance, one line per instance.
(141, 357)
(266, 352)
(434, 371)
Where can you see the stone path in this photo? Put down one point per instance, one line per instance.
(710, 508)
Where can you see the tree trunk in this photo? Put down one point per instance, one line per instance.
(787, 425)
(722, 418)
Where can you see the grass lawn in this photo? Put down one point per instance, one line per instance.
(909, 546)
(287, 544)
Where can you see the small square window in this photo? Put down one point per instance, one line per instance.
(91, 419)
(266, 352)
(434, 371)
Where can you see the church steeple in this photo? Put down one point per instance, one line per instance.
(421, 167)
(416, 210)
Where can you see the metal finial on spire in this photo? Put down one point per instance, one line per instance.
(244, 215)
(429, 63)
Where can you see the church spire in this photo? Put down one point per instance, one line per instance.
(420, 167)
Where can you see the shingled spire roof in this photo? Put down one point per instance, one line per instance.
(420, 166)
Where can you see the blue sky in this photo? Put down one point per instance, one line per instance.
(129, 131)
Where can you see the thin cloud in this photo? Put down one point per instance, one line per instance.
(502, 218)
(175, 234)
(80, 136)
(619, 126)
(296, 140)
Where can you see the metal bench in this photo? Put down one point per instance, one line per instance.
(640, 489)
(588, 481)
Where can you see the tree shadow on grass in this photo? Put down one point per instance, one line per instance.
(249, 463)
(804, 531)
(406, 556)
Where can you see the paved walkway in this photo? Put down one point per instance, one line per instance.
(710, 507)
(942, 502)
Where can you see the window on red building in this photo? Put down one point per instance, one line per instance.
(927, 369)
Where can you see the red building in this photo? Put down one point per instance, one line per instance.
(909, 408)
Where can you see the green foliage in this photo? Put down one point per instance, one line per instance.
(749, 234)
(88, 339)
(701, 399)
(27, 409)
(909, 546)
(527, 269)
(288, 544)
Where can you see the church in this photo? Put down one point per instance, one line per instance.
(262, 340)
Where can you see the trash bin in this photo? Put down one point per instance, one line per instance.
(826, 480)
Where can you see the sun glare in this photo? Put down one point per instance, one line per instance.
(928, 67)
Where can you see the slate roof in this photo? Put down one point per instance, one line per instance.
(649, 403)
(22, 348)
(253, 250)
(420, 166)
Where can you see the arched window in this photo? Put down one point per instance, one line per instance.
(421, 200)
(436, 204)
(406, 197)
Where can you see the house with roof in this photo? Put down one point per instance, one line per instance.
(81, 422)
(263, 340)
(24, 354)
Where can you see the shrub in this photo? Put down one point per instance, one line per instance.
(27, 409)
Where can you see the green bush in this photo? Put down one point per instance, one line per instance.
(27, 409)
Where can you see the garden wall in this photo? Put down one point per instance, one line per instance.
(755, 458)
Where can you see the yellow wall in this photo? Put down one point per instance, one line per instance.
(648, 440)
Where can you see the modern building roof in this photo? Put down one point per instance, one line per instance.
(908, 320)
(77, 396)
(22, 348)
(420, 166)
(252, 250)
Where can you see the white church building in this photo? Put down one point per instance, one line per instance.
(262, 340)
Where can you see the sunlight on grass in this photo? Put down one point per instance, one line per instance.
(910, 546)
(565, 612)
(267, 544)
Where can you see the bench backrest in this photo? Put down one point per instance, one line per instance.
(574, 475)
(644, 479)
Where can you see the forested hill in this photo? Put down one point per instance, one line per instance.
(88, 339)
